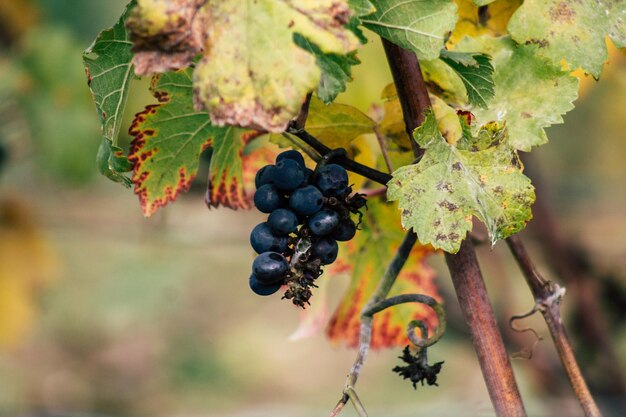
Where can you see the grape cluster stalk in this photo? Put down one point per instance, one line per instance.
(309, 212)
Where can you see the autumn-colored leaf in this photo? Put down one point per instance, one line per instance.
(366, 257)
(169, 138)
(253, 74)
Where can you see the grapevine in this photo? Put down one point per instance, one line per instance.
(474, 84)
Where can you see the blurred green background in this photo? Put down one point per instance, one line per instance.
(106, 313)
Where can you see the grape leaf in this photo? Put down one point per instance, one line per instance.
(481, 176)
(492, 21)
(419, 26)
(253, 74)
(168, 140)
(336, 69)
(571, 31)
(336, 125)
(366, 257)
(109, 74)
(476, 73)
(519, 70)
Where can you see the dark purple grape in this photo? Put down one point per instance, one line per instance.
(345, 230)
(332, 180)
(308, 174)
(325, 250)
(293, 155)
(323, 222)
(263, 240)
(263, 289)
(288, 175)
(264, 176)
(270, 267)
(283, 222)
(306, 201)
(267, 198)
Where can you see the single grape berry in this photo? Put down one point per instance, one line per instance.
(325, 250)
(264, 176)
(293, 155)
(263, 240)
(282, 222)
(267, 198)
(332, 180)
(306, 200)
(263, 289)
(270, 267)
(345, 230)
(287, 175)
(323, 222)
(308, 173)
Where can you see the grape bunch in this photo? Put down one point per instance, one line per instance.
(309, 212)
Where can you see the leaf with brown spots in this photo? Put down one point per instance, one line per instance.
(366, 257)
(573, 31)
(519, 70)
(479, 176)
(168, 140)
(253, 74)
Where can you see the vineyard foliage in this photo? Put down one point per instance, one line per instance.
(231, 78)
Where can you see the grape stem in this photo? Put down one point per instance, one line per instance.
(349, 164)
(548, 296)
(377, 303)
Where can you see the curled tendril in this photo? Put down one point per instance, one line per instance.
(424, 341)
(525, 353)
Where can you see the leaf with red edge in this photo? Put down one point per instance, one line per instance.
(168, 140)
(367, 257)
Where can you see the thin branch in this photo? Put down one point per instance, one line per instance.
(347, 163)
(548, 297)
(382, 143)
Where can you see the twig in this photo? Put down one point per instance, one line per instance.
(463, 266)
(382, 143)
(373, 192)
(565, 260)
(347, 163)
(548, 297)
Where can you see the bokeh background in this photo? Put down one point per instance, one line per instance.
(106, 313)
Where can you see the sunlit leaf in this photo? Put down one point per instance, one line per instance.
(420, 26)
(573, 31)
(479, 176)
(336, 125)
(253, 74)
(519, 71)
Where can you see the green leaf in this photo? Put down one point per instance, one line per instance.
(109, 74)
(112, 162)
(482, 2)
(169, 138)
(476, 72)
(366, 257)
(519, 71)
(336, 125)
(420, 26)
(573, 31)
(336, 69)
(481, 177)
